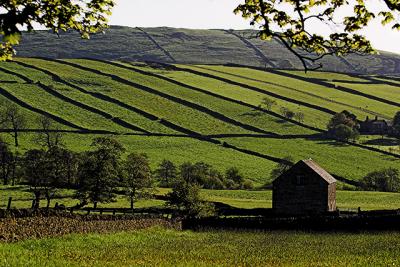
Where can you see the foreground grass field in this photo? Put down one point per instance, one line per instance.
(159, 247)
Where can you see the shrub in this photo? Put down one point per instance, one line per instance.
(387, 180)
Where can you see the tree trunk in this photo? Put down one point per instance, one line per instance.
(132, 201)
(16, 138)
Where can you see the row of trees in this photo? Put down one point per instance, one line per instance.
(99, 173)
(202, 174)
(13, 120)
(268, 103)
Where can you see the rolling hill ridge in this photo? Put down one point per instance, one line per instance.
(184, 46)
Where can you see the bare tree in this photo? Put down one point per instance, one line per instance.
(15, 120)
(49, 135)
(299, 116)
(268, 103)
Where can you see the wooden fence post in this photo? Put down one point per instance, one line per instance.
(9, 203)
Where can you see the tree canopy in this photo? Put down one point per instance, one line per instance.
(83, 16)
(291, 22)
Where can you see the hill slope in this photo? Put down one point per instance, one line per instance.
(202, 112)
(185, 46)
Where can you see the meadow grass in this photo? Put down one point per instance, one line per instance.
(224, 89)
(346, 200)
(164, 108)
(68, 73)
(302, 90)
(340, 159)
(175, 149)
(234, 111)
(161, 247)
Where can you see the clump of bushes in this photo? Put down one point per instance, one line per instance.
(202, 174)
(343, 126)
(386, 180)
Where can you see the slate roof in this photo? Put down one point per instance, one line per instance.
(319, 170)
(315, 168)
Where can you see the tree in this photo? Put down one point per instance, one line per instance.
(268, 103)
(100, 171)
(396, 119)
(166, 173)
(387, 180)
(233, 174)
(49, 135)
(37, 173)
(299, 116)
(290, 22)
(83, 16)
(287, 113)
(396, 123)
(6, 162)
(283, 166)
(138, 180)
(185, 196)
(343, 126)
(345, 133)
(15, 120)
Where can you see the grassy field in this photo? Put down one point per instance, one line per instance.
(346, 200)
(159, 247)
(129, 99)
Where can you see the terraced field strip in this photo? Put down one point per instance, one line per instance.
(316, 116)
(179, 108)
(200, 70)
(211, 92)
(111, 108)
(347, 161)
(384, 80)
(330, 85)
(5, 93)
(323, 96)
(87, 115)
(225, 110)
(310, 92)
(277, 123)
(384, 91)
(79, 104)
(35, 96)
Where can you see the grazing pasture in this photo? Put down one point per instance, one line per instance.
(202, 113)
(161, 247)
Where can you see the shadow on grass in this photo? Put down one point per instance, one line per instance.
(382, 142)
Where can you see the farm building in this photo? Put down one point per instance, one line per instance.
(376, 126)
(305, 188)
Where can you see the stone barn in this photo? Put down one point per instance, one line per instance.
(305, 188)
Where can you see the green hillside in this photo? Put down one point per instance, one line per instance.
(186, 46)
(204, 113)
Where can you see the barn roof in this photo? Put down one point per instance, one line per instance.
(319, 170)
(314, 167)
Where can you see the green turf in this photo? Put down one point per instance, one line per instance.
(308, 92)
(334, 157)
(228, 121)
(346, 200)
(160, 247)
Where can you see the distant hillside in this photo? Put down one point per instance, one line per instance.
(185, 46)
(206, 113)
